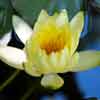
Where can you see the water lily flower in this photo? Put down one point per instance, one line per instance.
(50, 47)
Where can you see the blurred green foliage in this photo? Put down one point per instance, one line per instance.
(5, 16)
(29, 10)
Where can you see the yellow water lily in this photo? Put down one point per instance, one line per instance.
(50, 48)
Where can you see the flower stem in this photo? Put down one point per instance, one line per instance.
(28, 93)
(9, 80)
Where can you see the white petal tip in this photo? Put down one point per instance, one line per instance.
(22, 29)
(13, 57)
(5, 39)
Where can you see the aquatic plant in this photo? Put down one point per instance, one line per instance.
(50, 47)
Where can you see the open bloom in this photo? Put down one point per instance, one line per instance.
(50, 48)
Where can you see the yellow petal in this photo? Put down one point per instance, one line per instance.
(76, 25)
(43, 62)
(37, 57)
(52, 81)
(62, 19)
(30, 66)
(64, 57)
(53, 60)
(41, 19)
(31, 70)
(74, 59)
(58, 61)
(87, 60)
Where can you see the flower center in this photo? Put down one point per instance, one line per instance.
(53, 39)
(53, 43)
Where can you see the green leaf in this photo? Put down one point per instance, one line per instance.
(5, 16)
(29, 10)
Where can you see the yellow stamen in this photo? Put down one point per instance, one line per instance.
(54, 44)
(51, 39)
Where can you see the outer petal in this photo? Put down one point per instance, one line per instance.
(87, 60)
(52, 81)
(13, 56)
(31, 69)
(59, 61)
(22, 29)
(5, 39)
(76, 25)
